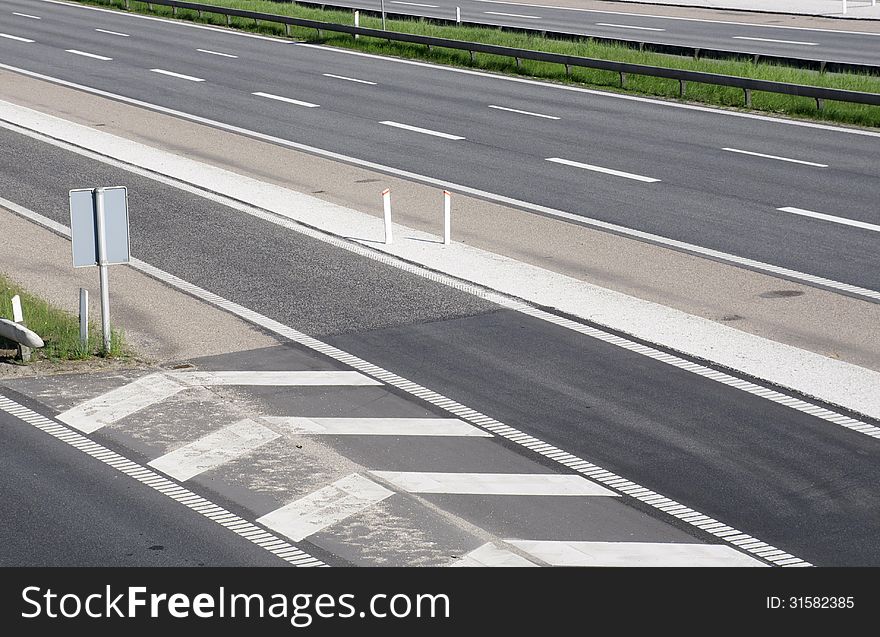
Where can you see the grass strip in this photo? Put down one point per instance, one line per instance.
(58, 329)
(785, 105)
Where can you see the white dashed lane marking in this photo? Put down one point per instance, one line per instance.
(16, 38)
(288, 100)
(214, 450)
(627, 26)
(348, 79)
(376, 426)
(179, 76)
(424, 131)
(94, 56)
(325, 507)
(544, 484)
(209, 52)
(776, 157)
(600, 169)
(515, 110)
(617, 554)
(121, 35)
(855, 223)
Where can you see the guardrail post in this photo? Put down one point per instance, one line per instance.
(568, 70)
(822, 66)
(127, 7)
(473, 57)
(748, 94)
(386, 205)
(228, 23)
(682, 87)
(200, 14)
(174, 11)
(287, 30)
(755, 58)
(820, 103)
(149, 6)
(622, 79)
(518, 62)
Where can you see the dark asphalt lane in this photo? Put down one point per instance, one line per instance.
(788, 478)
(707, 196)
(62, 507)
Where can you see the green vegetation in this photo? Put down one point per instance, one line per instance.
(58, 329)
(791, 106)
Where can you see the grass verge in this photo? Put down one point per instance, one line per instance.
(58, 329)
(790, 106)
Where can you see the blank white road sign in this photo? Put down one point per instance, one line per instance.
(84, 226)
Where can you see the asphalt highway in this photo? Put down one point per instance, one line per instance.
(804, 484)
(794, 196)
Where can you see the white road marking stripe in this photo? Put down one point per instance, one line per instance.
(116, 404)
(89, 55)
(743, 37)
(793, 161)
(426, 131)
(15, 37)
(145, 476)
(494, 483)
(513, 15)
(27, 15)
(213, 450)
(349, 79)
(627, 26)
(514, 110)
(180, 76)
(415, 4)
(864, 225)
(490, 555)
(325, 507)
(282, 379)
(377, 426)
(633, 554)
(121, 35)
(600, 169)
(279, 98)
(209, 52)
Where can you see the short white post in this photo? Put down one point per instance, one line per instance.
(386, 201)
(844, 7)
(24, 352)
(84, 318)
(447, 217)
(357, 21)
(383, 15)
(17, 315)
(458, 15)
(102, 268)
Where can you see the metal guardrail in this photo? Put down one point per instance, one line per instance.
(747, 85)
(830, 66)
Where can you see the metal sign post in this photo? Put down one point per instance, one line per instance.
(100, 236)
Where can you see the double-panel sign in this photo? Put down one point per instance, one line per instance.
(84, 226)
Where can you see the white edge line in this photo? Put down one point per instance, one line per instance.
(515, 110)
(788, 159)
(157, 482)
(808, 279)
(745, 37)
(568, 460)
(513, 15)
(855, 223)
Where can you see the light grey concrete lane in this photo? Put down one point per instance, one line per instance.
(844, 44)
(64, 508)
(727, 219)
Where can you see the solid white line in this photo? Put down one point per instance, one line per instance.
(89, 55)
(513, 15)
(793, 161)
(213, 450)
(600, 169)
(285, 99)
(841, 220)
(634, 554)
(426, 131)
(376, 426)
(27, 15)
(15, 37)
(415, 4)
(490, 555)
(178, 75)
(324, 507)
(743, 37)
(116, 404)
(348, 79)
(514, 110)
(121, 35)
(627, 26)
(200, 505)
(494, 483)
(277, 379)
(225, 55)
